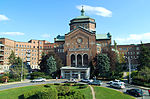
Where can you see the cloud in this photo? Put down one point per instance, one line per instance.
(3, 18)
(11, 33)
(134, 39)
(45, 35)
(100, 11)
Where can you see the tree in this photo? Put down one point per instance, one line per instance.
(43, 62)
(103, 65)
(16, 69)
(12, 58)
(51, 66)
(144, 57)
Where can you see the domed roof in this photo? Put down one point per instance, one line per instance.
(81, 17)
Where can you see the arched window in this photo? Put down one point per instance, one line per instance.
(72, 60)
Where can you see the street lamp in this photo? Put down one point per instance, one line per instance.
(22, 69)
(129, 61)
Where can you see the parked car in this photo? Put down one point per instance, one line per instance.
(116, 81)
(70, 81)
(39, 80)
(86, 80)
(95, 82)
(135, 92)
(117, 85)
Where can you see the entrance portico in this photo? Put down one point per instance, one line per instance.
(74, 72)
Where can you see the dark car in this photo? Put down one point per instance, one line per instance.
(95, 82)
(135, 92)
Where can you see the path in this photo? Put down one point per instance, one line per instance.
(93, 93)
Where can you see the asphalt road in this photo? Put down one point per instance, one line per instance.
(4, 87)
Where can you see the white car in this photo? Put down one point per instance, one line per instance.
(86, 80)
(117, 85)
(39, 80)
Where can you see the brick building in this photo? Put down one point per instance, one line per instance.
(30, 51)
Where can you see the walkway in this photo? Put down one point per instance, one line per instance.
(93, 93)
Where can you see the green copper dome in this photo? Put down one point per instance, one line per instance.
(82, 15)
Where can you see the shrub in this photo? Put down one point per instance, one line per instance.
(50, 93)
(83, 86)
(62, 90)
(47, 85)
(36, 75)
(67, 84)
(56, 83)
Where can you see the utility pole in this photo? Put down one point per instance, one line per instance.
(22, 70)
(129, 70)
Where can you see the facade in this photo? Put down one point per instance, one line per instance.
(80, 46)
(30, 51)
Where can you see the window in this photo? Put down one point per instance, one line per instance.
(28, 46)
(33, 46)
(137, 53)
(137, 48)
(120, 49)
(17, 45)
(16, 49)
(40, 46)
(40, 42)
(22, 45)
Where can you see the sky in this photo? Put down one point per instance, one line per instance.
(128, 21)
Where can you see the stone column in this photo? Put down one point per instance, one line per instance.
(79, 75)
(82, 61)
(62, 73)
(76, 60)
(70, 74)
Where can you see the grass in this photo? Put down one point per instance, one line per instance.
(15, 92)
(106, 93)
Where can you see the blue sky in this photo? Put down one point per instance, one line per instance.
(128, 21)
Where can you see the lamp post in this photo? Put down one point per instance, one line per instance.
(129, 61)
(22, 70)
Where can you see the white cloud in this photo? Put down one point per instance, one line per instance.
(45, 35)
(134, 39)
(101, 11)
(11, 33)
(3, 18)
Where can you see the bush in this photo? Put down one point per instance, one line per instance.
(67, 84)
(56, 83)
(49, 93)
(36, 75)
(83, 86)
(47, 85)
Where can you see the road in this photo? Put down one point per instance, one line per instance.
(9, 86)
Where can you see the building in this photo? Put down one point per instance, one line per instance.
(30, 52)
(79, 46)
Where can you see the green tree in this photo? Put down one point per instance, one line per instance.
(144, 57)
(12, 58)
(43, 62)
(51, 66)
(103, 65)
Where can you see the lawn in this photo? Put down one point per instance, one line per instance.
(15, 92)
(107, 93)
